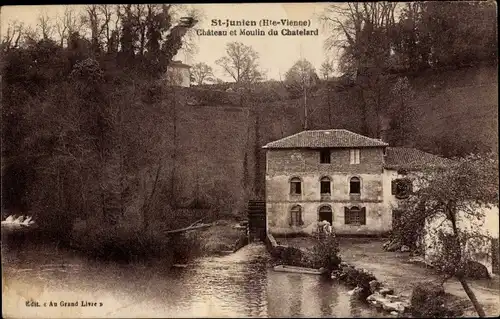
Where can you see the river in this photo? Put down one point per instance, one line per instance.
(234, 285)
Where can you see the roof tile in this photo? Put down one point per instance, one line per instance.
(411, 159)
(325, 138)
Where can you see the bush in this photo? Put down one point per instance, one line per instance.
(428, 301)
(325, 254)
(293, 257)
(129, 246)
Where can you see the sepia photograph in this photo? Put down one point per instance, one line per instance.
(250, 160)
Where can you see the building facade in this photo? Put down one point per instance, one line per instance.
(179, 74)
(352, 181)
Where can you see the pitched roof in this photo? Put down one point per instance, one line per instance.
(325, 138)
(412, 159)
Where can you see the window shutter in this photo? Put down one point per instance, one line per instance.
(301, 222)
(410, 187)
(394, 187)
(346, 216)
(362, 218)
(290, 222)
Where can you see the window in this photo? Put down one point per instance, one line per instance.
(324, 156)
(295, 186)
(354, 155)
(401, 188)
(355, 185)
(325, 213)
(355, 216)
(325, 186)
(296, 216)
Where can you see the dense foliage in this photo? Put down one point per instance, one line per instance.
(377, 41)
(84, 118)
(325, 254)
(453, 199)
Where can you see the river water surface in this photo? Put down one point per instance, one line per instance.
(235, 285)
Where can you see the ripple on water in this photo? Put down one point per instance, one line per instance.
(225, 286)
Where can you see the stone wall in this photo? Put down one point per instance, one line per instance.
(487, 226)
(460, 105)
(307, 160)
(212, 162)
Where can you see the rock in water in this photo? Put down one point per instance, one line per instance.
(356, 292)
(393, 306)
(386, 244)
(374, 285)
(405, 248)
(386, 291)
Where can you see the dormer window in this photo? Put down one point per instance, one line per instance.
(324, 156)
(354, 156)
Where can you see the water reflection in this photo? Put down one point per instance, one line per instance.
(228, 286)
(327, 295)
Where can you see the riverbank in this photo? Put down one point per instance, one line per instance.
(221, 237)
(126, 246)
(396, 270)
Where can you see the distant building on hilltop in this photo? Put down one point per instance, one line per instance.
(179, 74)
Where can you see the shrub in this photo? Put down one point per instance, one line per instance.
(129, 246)
(293, 257)
(428, 301)
(325, 254)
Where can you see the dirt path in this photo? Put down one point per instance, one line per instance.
(394, 269)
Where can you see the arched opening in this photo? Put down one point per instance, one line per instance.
(355, 186)
(325, 213)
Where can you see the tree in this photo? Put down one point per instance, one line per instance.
(327, 69)
(68, 23)
(241, 63)
(362, 32)
(202, 72)
(302, 80)
(12, 36)
(453, 196)
(45, 26)
(401, 113)
(73, 113)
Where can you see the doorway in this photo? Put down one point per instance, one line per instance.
(325, 213)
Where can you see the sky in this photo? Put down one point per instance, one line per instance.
(277, 53)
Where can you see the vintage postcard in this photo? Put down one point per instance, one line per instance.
(250, 160)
